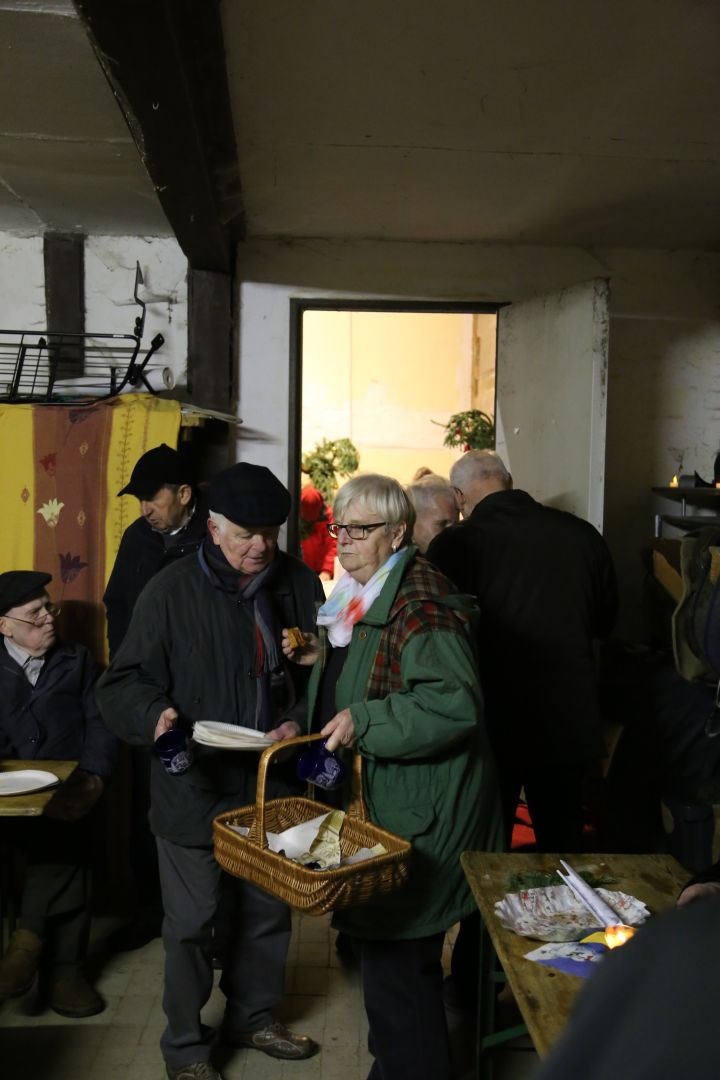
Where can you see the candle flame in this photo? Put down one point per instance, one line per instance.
(617, 935)
(674, 481)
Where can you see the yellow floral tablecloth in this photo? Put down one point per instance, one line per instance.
(61, 467)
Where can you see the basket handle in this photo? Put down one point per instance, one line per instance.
(356, 809)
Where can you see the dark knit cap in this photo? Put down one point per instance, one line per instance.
(19, 586)
(249, 495)
(159, 466)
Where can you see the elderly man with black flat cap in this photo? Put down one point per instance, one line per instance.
(48, 711)
(204, 644)
(172, 524)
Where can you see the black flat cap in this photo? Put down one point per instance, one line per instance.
(19, 586)
(249, 495)
(159, 466)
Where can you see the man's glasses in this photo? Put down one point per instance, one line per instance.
(355, 532)
(41, 616)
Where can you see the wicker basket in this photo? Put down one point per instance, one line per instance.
(313, 891)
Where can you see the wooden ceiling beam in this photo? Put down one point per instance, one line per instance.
(165, 61)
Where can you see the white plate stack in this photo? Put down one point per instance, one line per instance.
(230, 736)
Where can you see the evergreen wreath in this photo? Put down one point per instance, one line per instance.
(472, 430)
(331, 459)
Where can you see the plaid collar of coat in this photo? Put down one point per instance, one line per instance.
(419, 607)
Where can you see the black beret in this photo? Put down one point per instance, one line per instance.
(249, 495)
(19, 586)
(159, 466)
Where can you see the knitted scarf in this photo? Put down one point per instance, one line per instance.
(276, 692)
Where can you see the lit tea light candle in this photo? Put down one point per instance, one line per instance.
(674, 482)
(617, 935)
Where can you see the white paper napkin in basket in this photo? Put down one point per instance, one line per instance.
(297, 842)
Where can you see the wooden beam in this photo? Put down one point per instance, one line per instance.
(210, 339)
(165, 61)
(64, 262)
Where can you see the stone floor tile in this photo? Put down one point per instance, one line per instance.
(310, 981)
(135, 1009)
(313, 954)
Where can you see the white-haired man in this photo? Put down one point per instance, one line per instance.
(546, 587)
(204, 643)
(435, 506)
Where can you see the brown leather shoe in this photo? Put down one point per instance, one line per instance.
(19, 965)
(277, 1041)
(75, 997)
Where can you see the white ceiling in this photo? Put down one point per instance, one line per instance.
(535, 121)
(518, 121)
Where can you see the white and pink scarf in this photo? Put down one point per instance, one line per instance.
(349, 601)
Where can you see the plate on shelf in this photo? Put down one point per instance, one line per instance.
(23, 781)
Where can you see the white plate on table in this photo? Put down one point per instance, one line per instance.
(23, 781)
(229, 736)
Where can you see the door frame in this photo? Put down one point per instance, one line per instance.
(298, 307)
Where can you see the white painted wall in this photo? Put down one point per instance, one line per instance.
(663, 398)
(388, 381)
(109, 283)
(22, 288)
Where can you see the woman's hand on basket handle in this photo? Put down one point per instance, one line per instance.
(340, 731)
(307, 655)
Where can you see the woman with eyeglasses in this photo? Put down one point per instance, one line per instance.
(395, 680)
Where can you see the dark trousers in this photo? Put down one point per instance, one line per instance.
(402, 988)
(554, 799)
(143, 849)
(56, 893)
(254, 962)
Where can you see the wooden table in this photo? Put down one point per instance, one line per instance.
(544, 995)
(32, 804)
(13, 806)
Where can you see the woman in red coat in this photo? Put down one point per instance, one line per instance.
(318, 546)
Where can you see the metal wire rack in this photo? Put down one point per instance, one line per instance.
(45, 368)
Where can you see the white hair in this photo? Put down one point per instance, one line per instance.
(429, 487)
(384, 496)
(220, 520)
(479, 465)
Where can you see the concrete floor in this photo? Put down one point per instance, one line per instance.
(323, 1000)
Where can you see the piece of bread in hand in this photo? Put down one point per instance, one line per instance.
(296, 638)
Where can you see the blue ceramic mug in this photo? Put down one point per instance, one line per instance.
(321, 767)
(174, 751)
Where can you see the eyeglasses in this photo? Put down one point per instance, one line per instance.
(355, 532)
(41, 618)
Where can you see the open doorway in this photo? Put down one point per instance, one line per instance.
(388, 377)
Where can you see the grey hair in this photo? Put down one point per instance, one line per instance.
(381, 494)
(220, 520)
(479, 465)
(429, 487)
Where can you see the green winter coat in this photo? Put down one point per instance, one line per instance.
(428, 774)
